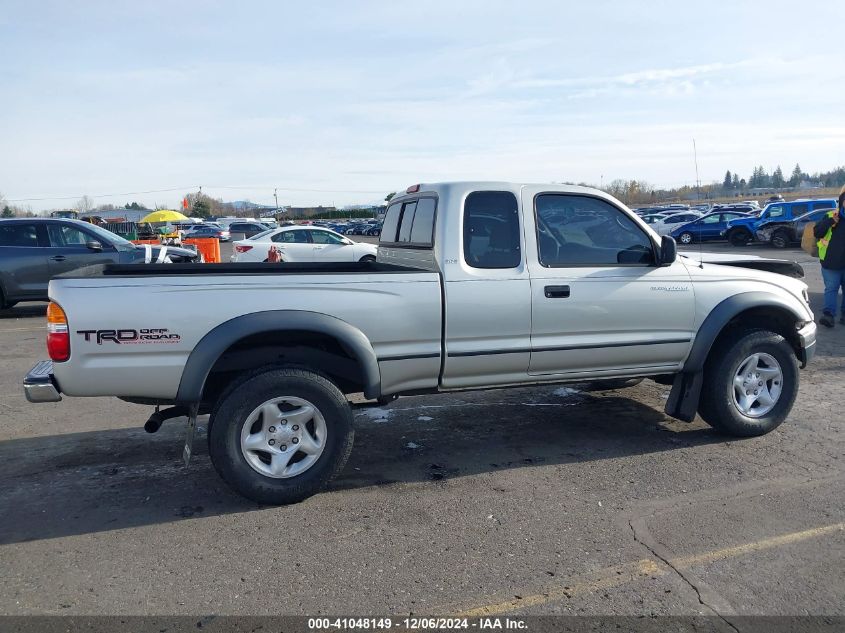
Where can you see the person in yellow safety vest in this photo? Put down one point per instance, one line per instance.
(831, 243)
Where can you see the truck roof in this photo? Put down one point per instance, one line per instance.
(467, 186)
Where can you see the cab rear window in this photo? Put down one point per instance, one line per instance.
(410, 223)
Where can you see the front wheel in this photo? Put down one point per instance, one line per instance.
(739, 237)
(686, 238)
(780, 239)
(281, 435)
(750, 383)
(368, 258)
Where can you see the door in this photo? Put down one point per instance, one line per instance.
(328, 247)
(600, 304)
(23, 260)
(295, 245)
(710, 227)
(487, 290)
(68, 249)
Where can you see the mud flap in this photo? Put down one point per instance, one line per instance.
(193, 411)
(683, 399)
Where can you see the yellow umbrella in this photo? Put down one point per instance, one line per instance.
(164, 216)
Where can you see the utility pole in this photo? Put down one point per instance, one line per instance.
(697, 179)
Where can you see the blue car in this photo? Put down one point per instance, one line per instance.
(708, 227)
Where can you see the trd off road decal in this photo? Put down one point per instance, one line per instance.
(130, 337)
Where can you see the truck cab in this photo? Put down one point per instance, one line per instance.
(740, 232)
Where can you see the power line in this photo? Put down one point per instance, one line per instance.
(99, 195)
(238, 187)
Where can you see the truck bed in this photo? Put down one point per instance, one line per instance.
(248, 268)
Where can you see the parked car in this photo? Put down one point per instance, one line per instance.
(708, 227)
(374, 230)
(670, 222)
(741, 231)
(34, 250)
(356, 229)
(303, 244)
(785, 233)
(654, 218)
(208, 231)
(498, 288)
(247, 228)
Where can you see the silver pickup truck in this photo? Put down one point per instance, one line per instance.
(477, 285)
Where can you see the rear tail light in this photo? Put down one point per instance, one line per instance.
(58, 337)
(241, 248)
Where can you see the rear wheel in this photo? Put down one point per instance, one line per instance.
(280, 435)
(739, 237)
(686, 238)
(750, 383)
(6, 304)
(780, 239)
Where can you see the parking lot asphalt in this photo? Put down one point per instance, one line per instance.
(531, 500)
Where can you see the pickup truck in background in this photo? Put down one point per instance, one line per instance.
(743, 230)
(477, 285)
(785, 233)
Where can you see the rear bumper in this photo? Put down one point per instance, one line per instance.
(807, 338)
(39, 384)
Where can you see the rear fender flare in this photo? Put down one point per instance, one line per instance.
(217, 341)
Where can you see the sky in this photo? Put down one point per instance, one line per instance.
(342, 102)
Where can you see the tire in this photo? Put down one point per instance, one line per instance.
(720, 404)
(780, 239)
(298, 473)
(367, 258)
(5, 305)
(739, 237)
(686, 238)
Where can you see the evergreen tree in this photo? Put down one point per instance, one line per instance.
(777, 178)
(201, 209)
(736, 181)
(728, 182)
(7, 212)
(796, 177)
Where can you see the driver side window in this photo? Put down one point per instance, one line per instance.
(575, 230)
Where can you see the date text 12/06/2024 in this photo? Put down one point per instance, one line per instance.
(413, 624)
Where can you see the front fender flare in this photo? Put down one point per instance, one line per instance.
(686, 388)
(218, 340)
(722, 314)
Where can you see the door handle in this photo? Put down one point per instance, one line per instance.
(58, 258)
(556, 292)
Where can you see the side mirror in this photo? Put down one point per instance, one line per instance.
(668, 251)
(93, 246)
